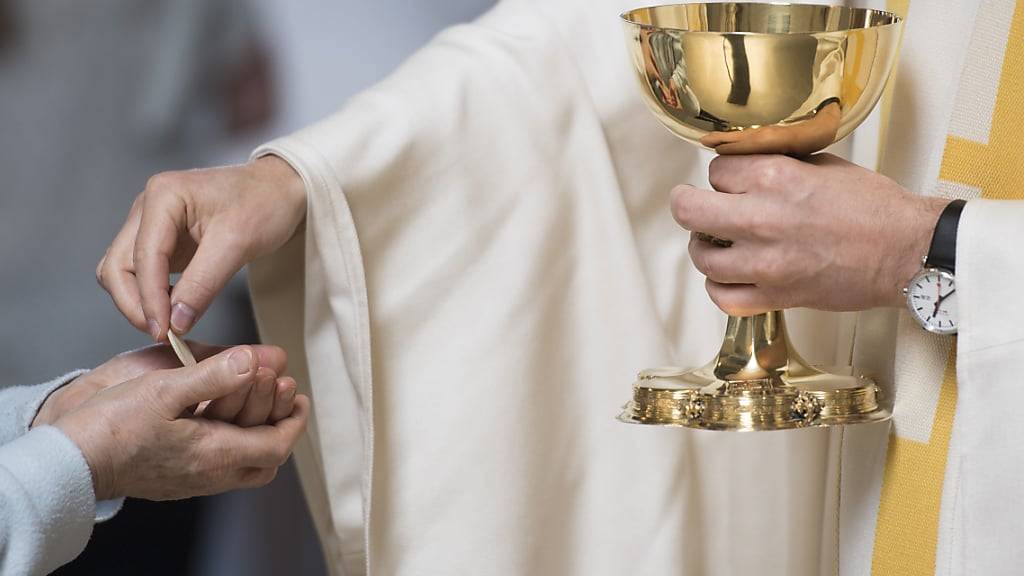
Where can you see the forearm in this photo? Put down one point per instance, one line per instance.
(47, 506)
(20, 404)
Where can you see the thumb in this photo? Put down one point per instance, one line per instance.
(210, 379)
(220, 254)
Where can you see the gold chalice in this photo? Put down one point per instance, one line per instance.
(744, 78)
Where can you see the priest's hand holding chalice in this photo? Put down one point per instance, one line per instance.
(746, 79)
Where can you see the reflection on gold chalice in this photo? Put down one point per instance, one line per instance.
(746, 78)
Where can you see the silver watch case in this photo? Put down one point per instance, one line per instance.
(910, 305)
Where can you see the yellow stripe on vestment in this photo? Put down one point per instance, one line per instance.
(906, 533)
(996, 167)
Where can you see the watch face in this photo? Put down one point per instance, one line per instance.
(932, 299)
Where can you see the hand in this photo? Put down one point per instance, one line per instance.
(137, 443)
(269, 398)
(821, 233)
(206, 224)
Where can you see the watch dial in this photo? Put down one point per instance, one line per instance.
(932, 299)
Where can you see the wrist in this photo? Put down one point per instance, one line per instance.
(286, 180)
(51, 408)
(89, 438)
(65, 399)
(56, 404)
(915, 235)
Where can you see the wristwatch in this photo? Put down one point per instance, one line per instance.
(931, 294)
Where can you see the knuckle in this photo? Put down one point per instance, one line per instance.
(234, 239)
(762, 271)
(140, 254)
(209, 374)
(702, 262)
(766, 177)
(682, 205)
(198, 285)
(748, 220)
(758, 223)
(161, 183)
(769, 270)
(716, 171)
(696, 257)
(161, 392)
(281, 453)
(745, 220)
(771, 173)
(758, 220)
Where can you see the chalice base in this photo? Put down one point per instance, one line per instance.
(803, 397)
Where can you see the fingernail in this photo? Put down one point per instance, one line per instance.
(289, 394)
(182, 317)
(154, 329)
(241, 360)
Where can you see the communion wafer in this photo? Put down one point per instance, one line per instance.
(181, 349)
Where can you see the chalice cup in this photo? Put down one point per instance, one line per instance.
(746, 78)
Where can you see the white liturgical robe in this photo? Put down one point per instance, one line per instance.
(488, 259)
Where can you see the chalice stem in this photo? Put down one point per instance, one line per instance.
(756, 348)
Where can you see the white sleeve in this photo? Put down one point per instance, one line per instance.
(45, 483)
(19, 405)
(47, 504)
(990, 389)
(990, 274)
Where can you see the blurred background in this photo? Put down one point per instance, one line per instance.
(97, 96)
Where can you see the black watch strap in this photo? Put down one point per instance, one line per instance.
(942, 253)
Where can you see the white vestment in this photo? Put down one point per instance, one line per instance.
(959, 82)
(488, 259)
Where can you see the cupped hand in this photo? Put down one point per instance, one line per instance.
(822, 233)
(245, 407)
(206, 224)
(138, 443)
